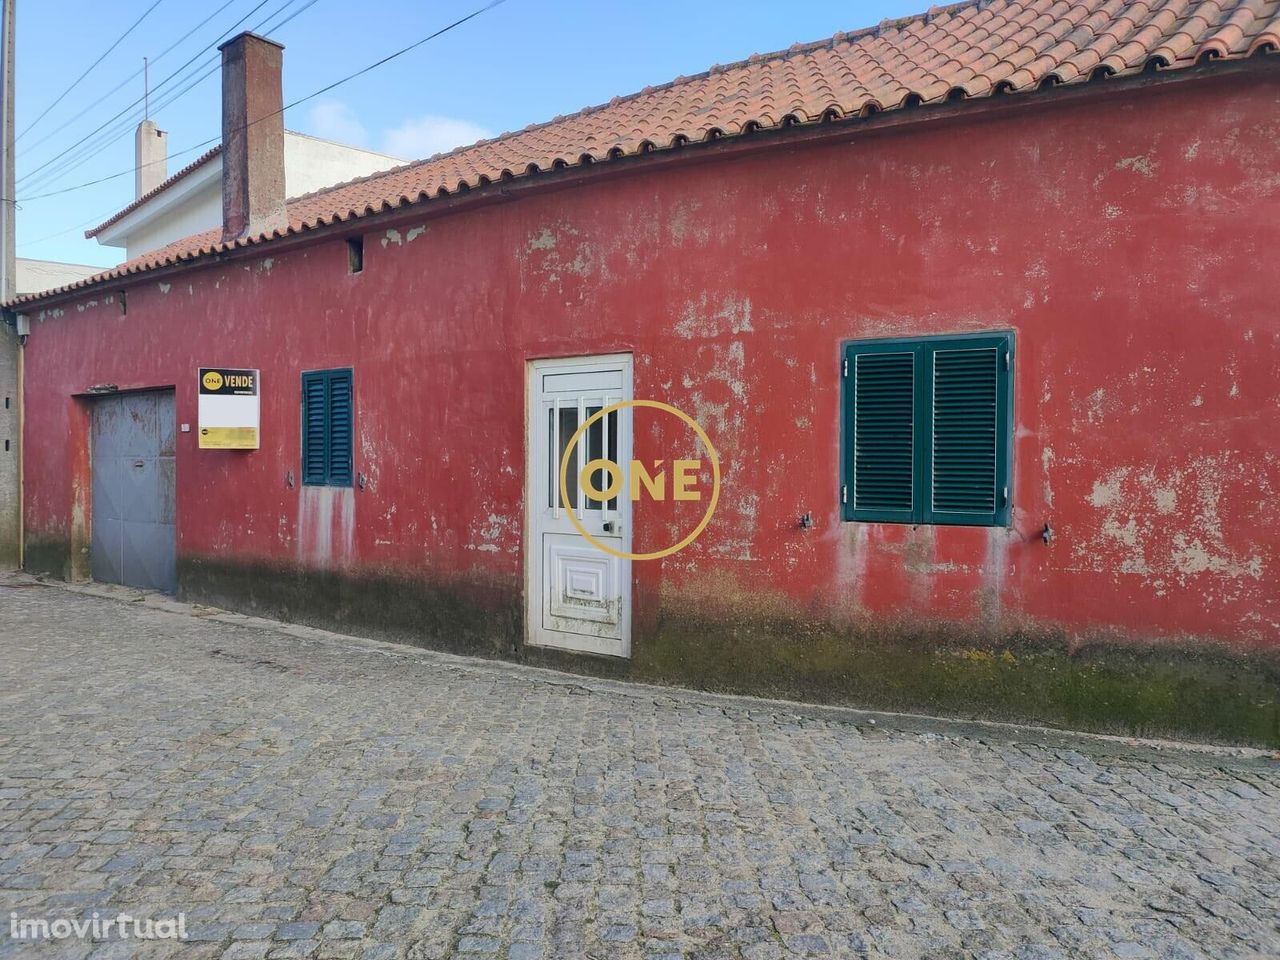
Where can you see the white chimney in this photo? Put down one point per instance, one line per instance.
(151, 157)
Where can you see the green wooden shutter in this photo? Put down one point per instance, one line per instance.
(315, 428)
(967, 452)
(340, 428)
(327, 428)
(927, 430)
(881, 410)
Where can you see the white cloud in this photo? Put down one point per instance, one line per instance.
(414, 139)
(334, 120)
(429, 134)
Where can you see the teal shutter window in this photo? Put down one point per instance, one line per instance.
(928, 430)
(315, 428)
(340, 428)
(884, 402)
(327, 428)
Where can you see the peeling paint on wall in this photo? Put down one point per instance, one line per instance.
(1164, 525)
(733, 286)
(700, 320)
(1143, 166)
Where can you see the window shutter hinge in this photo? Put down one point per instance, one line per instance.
(846, 366)
(1008, 360)
(1004, 495)
(844, 493)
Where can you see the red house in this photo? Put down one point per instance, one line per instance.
(973, 308)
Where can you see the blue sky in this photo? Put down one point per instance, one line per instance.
(520, 63)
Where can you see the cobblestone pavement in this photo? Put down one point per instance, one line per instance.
(303, 795)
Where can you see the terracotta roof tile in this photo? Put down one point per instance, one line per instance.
(973, 49)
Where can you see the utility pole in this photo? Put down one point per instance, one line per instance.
(8, 208)
(10, 344)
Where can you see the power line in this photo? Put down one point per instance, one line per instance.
(311, 96)
(89, 69)
(92, 150)
(302, 9)
(128, 109)
(95, 143)
(79, 226)
(35, 179)
(133, 76)
(399, 53)
(137, 102)
(94, 146)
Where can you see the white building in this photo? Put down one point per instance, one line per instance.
(189, 202)
(33, 276)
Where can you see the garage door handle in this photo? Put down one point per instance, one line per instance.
(139, 463)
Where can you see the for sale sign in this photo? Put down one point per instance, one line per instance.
(228, 409)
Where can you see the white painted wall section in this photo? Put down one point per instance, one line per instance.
(192, 204)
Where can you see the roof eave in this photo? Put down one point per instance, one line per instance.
(691, 152)
(154, 192)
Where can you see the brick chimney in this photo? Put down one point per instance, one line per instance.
(252, 137)
(151, 157)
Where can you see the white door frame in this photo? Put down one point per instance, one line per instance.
(578, 597)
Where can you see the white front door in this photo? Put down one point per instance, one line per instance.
(579, 595)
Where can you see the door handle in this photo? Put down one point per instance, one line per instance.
(611, 526)
(139, 463)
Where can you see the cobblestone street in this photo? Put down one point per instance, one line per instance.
(297, 795)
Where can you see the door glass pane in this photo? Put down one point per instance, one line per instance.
(594, 450)
(568, 424)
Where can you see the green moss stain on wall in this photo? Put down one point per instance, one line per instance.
(975, 672)
(471, 615)
(48, 556)
(1029, 674)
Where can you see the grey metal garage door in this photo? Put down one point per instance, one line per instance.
(134, 536)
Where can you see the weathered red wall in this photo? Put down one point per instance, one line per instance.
(1127, 239)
